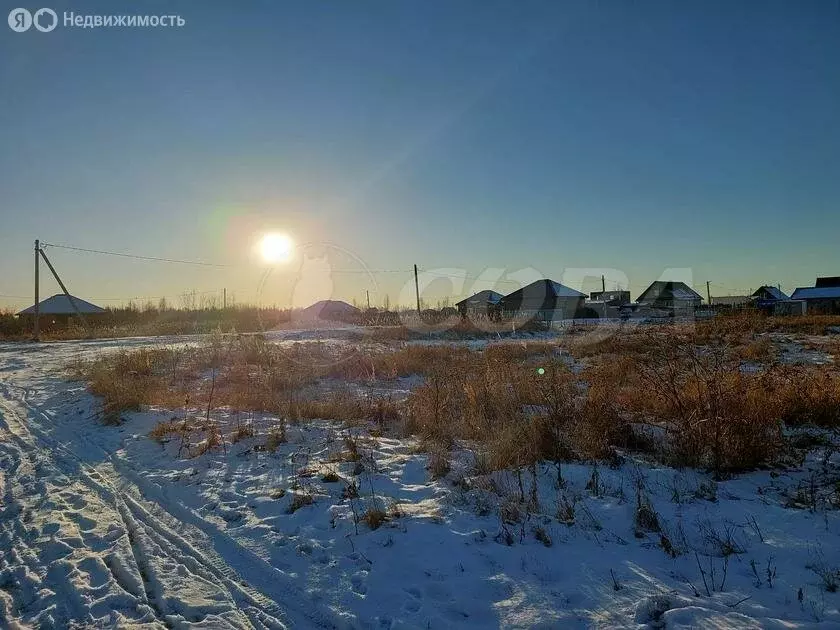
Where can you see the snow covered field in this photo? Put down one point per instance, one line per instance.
(103, 526)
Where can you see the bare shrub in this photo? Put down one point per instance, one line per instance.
(714, 415)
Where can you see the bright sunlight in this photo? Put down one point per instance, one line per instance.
(276, 248)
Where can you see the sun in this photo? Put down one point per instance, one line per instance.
(276, 248)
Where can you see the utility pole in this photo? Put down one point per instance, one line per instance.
(63, 288)
(37, 307)
(603, 284)
(708, 293)
(224, 298)
(367, 294)
(417, 289)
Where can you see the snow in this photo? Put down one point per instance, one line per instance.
(102, 526)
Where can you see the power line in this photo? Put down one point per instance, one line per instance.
(199, 262)
(137, 256)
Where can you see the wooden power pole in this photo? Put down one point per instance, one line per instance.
(708, 293)
(37, 307)
(417, 289)
(367, 293)
(63, 288)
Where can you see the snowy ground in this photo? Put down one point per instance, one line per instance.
(103, 526)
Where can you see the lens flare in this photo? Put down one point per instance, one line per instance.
(276, 248)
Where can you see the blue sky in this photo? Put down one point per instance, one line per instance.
(555, 136)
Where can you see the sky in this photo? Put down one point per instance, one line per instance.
(480, 140)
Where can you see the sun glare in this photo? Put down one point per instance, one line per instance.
(276, 248)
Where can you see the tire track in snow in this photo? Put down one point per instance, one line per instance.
(45, 465)
(262, 611)
(262, 575)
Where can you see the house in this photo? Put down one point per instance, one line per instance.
(482, 303)
(332, 310)
(671, 296)
(58, 309)
(768, 293)
(544, 299)
(772, 300)
(612, 298)
(824, 297)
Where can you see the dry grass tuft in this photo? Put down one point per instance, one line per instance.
(375, 516)
(438, 464)
(299, 501)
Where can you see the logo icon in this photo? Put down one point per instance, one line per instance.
(45, 20)
(20, 20)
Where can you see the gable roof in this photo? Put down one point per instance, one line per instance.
(544, 290)
(774, 292)
(816, 293)
(482, 298)
(59, 304)
(668, 290)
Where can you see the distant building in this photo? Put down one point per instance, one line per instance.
(769, 293)
(482, 303)
(58, 309)
(331, 310)
(671, 296)
(544, 300)
(730, 301)
(822, 298)
(827, 282)
(612, 298)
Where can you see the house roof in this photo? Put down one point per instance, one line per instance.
(326, 309)
(543, 289)
(827, 281)
(774, 292)
(665, 289)
(816, 293)
(481, 298)
(59, 304)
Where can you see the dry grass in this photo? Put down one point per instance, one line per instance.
(299, 501)
(438, 464)
(674, 392)
(374, 516)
